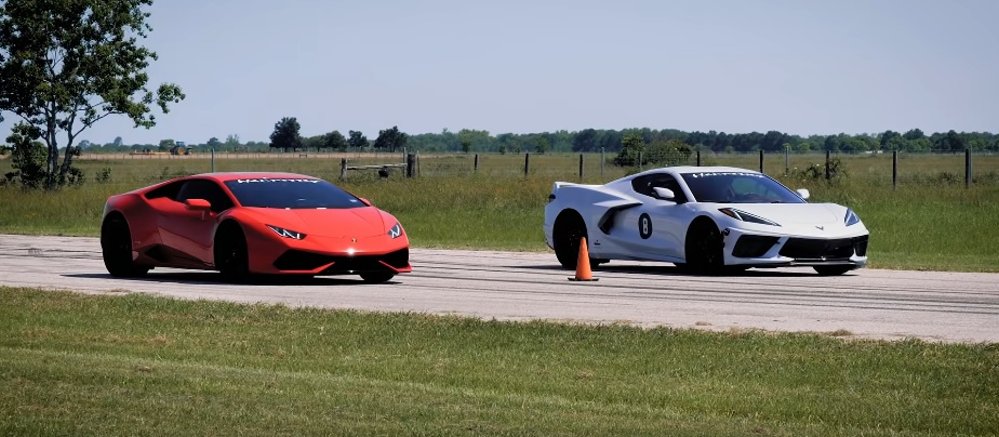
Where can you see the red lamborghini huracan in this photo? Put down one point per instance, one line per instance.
(251, 223)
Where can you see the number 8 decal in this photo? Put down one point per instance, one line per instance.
(645, 226)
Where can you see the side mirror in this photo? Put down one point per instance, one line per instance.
(366, 202)
(803, 192)
(198, 204)
(664, 193)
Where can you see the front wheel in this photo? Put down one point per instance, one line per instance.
(116, 248)
(704, 248)
(231, 255)
(832, 270)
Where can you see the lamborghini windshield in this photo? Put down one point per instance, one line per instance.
(291, 193)
(738, 187)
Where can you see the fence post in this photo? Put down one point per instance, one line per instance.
(639, 160)
(410, 165)
(581, 167)
(761, 160)
(602, 163)
(698, 156)
(967, 168)
(785, 160)
(527, 163)
(343, 169)
(475, 165)
(213, 159)
(894, 169)
(827, 166)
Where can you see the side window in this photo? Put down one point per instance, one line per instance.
(168, 191)
(667, 181)
(644, 185)
(208, 190)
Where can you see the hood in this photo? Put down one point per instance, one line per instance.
(349, 222)
(822, 214)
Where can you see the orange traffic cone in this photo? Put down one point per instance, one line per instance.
(583, 272)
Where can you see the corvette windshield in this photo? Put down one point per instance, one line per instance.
(291, 193)
(738, 187)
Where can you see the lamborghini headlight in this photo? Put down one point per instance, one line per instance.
(851, 218)
(395, 231)
(287, 233)
(744, 216)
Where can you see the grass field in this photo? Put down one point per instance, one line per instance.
(931, 221)
(130, 364)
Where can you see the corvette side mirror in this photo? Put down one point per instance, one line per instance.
(198, 204)
(803, 192)
(365, 201)
(664, 193)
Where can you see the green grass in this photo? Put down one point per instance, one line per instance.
(931, 221)
(141, 365)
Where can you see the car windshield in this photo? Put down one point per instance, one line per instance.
(291, 193)
(738, 187)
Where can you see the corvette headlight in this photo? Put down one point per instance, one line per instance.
(851, 218)
(287, 233)
(395, 231)
(746, 217)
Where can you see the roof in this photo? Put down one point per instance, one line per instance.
(228, 176)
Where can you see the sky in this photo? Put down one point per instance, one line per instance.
(797, 66)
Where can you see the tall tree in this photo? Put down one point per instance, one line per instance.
(335, 141)
(285, 135)
(391, 139)
(357, 140)
(75, 63)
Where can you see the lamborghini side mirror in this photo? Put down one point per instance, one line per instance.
(803, 192)
(198, 204)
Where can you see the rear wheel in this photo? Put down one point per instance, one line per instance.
(377, 278)
(231, 255)
(569, 229)
(832, 270)
(116, 248)
(704, 247)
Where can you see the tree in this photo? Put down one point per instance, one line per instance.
(28, 157)
(334, 140)
(214, 143)
(75, 63)
(391, 139)
(357, 140)
(285, 135)
(232, 141)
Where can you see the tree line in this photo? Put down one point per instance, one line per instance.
(286, 137)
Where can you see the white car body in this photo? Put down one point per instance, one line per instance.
(635, 218)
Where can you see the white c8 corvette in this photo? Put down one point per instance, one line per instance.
(709, 219)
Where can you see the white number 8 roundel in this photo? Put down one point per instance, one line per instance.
(645, 226)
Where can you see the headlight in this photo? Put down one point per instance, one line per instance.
(287, 233)
(395, 231)
(746, 217)
(851, 218)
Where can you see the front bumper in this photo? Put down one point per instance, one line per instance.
(751, 249)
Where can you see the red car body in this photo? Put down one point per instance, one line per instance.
(251, 223)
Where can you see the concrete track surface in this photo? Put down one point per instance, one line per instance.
(868, 303)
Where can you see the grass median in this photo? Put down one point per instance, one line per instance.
(141, 365)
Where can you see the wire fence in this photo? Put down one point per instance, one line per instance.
(875, 168)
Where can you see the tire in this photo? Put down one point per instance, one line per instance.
(116, 248)
(832, 270)
(569, 229)
(232, 258)
(704, 247)
(377, 277)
